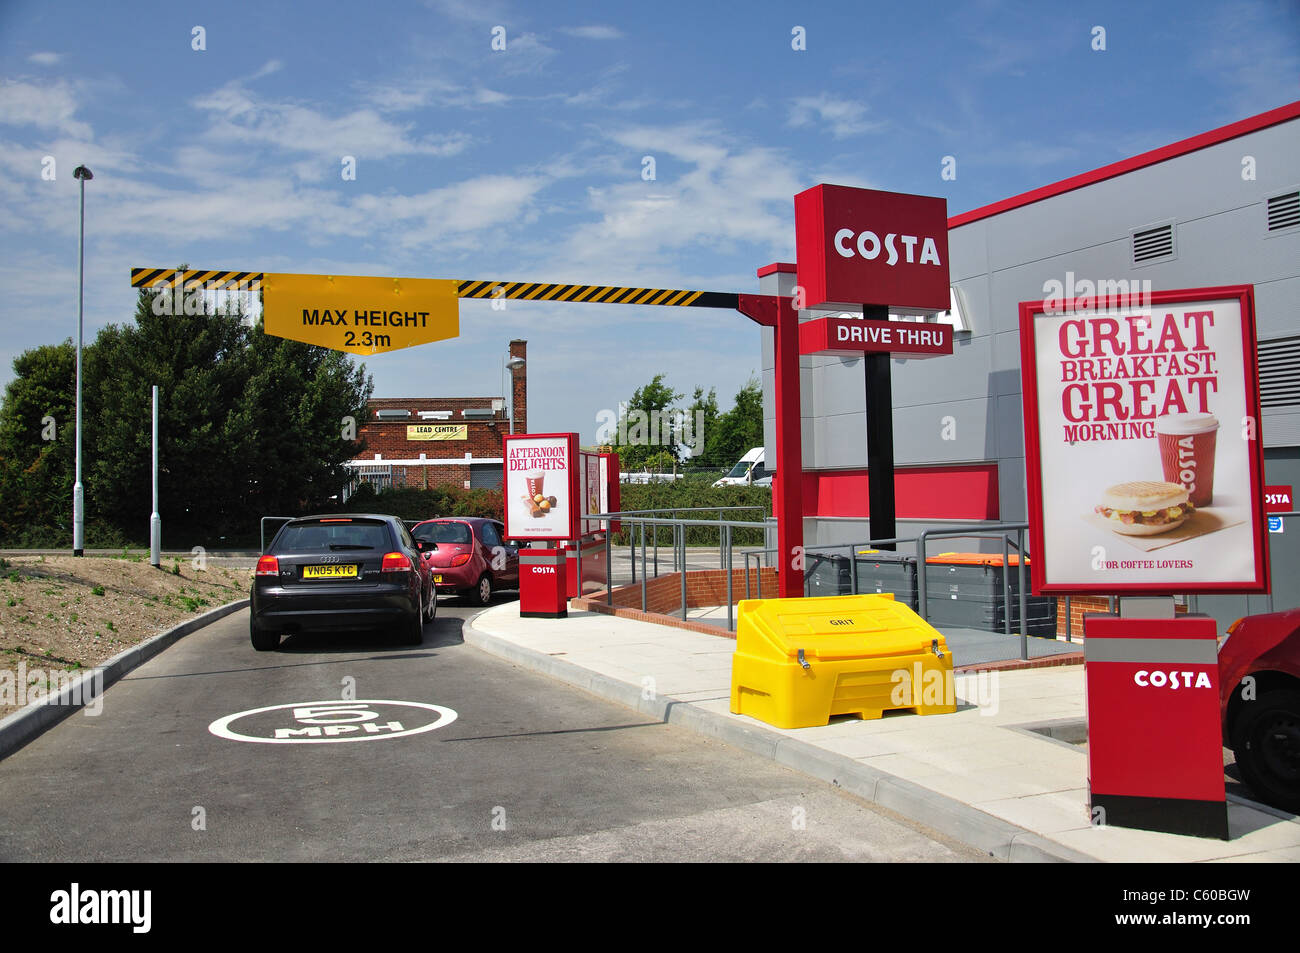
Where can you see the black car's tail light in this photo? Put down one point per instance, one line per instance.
(268, 566)
(396, 562)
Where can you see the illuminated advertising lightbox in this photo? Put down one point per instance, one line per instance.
(541, 486)
(1144, 461)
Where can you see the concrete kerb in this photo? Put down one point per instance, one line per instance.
(999, 838)
(28, 724)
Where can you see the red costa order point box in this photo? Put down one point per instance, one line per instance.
(543, 586)
(1155, 744)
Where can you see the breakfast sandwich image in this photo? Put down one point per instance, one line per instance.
(1144, 507)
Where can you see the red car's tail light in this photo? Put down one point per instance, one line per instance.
(396, 562)
(268, 566)
(460, 559)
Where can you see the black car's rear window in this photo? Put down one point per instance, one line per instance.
(443, 532)
(322, 536)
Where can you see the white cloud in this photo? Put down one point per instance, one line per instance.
(844, 117)
(45, 59)
(239, 116)
(430, 93)
(732, 195)
(524, 53)
(594, 32)
(47, 107)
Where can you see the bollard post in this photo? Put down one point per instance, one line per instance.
(1024, 596)
(609, 562)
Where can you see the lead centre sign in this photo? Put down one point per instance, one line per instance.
(1143, 455)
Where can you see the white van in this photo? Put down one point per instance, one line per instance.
(750, 469)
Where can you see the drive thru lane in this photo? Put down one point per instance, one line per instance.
(528, 769)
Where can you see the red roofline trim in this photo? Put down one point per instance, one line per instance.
(1215, 136)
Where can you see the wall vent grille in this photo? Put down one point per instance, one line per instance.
(1279, 372)
(1284, 211)
(1151, 244)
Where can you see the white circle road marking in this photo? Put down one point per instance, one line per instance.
(221, 727)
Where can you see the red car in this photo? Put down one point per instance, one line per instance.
(1259, 686)
(469, 556)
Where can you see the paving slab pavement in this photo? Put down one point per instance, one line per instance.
(983, 774)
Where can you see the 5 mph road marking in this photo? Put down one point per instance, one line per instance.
(326, 722)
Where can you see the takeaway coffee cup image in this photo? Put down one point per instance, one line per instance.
(534, 483)
(1187, 443)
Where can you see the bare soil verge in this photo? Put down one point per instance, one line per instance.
(59, 614)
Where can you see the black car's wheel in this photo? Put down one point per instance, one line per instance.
(264, 640)
(431, 607)
(481, 595)
(414, 633)
(1266, 741)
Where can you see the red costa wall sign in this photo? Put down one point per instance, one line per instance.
(848, 336)
(866, 247)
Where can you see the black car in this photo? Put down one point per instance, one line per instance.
(338, 572)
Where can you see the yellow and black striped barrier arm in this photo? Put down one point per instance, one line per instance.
(195, 280)
(596, 294)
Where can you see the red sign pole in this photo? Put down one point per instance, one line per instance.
(787, 486)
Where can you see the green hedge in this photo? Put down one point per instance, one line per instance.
(697, 492)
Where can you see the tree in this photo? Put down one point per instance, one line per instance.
(37, 444)
(740, 428)
(645, 425)
(700, 421)
(249, 425)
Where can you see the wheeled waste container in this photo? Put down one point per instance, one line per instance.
(826, 574)
(885, 572)
(965, 589)
(798, 662)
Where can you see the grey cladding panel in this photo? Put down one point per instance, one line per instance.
(1219, 249)
(1011, 489)
(1009, 428)
(1277, 307)
(952, 432)
(840, 388)
(841, 441)
(967, 252)
(962, 376)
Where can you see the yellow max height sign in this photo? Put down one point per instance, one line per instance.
(360, 315)
(437, 432)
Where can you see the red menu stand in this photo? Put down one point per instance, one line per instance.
(543, 589)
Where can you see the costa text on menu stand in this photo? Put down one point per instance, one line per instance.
(1144, 472)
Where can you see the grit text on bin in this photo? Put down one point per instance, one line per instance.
(798, 662)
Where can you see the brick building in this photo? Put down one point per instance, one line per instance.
(441, 441)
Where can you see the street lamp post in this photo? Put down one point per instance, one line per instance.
(78, 493)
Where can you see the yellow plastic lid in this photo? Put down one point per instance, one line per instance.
(838, 627)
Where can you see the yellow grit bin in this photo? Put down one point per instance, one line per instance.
(800, 661)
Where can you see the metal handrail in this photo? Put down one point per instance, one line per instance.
(640, 519)
(262, 526)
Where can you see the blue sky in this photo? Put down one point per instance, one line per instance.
(527, 163)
